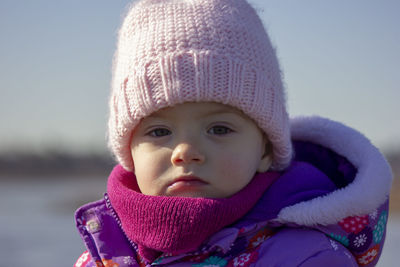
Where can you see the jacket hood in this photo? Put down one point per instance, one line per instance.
(338, 184)
(360, 191)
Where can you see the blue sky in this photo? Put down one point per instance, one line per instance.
(341, 59)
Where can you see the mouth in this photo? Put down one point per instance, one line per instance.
(186, 183)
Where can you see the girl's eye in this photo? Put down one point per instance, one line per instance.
(159, 132)
(219, 130)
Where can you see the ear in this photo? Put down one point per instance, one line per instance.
(265, 163)
(266, 159)
(131, 153)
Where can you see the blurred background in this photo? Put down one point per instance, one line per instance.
(340, 60)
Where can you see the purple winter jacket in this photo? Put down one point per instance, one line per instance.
(329, 208)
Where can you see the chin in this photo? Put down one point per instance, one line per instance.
(195, 195)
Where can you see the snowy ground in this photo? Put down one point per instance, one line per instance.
(37, 225)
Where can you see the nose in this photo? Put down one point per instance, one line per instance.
(185, 153)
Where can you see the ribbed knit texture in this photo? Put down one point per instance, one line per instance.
(175, 51)
(176, 224)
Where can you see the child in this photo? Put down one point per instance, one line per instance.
(211, 171)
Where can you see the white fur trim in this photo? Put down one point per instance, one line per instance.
(367, 192)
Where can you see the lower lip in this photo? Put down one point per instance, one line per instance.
(190, 185)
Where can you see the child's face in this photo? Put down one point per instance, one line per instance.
(197, 150)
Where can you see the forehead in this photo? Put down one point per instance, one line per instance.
(198, 109)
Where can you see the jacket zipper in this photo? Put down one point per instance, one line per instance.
(114, 214)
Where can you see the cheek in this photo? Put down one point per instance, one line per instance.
(149, 166)
(144, 166)
(242, 160)
(237, 168)
(147, 171)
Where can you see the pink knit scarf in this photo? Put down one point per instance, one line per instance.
(176, 225)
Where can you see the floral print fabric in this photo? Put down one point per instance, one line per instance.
(362, 235)
(243, 252)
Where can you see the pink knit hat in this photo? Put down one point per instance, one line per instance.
(175, 51)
